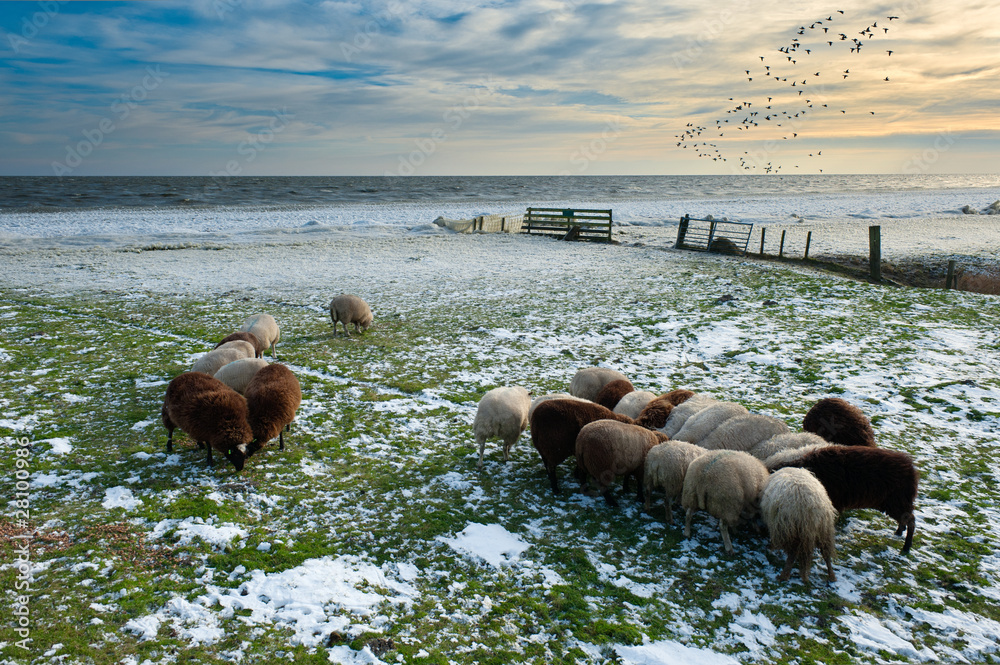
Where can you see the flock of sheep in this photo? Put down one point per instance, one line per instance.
(713, 455)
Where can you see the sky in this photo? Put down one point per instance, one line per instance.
(481, 87)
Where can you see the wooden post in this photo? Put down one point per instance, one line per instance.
(809, 237)
(711, 236)
(781, 247)
(875, 252)
(682, 230)
(949, 281)
(763, 231)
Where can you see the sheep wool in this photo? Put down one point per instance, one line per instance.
(679, 414)
(246, 348)
(246, 337)
(780, 442)
(666, 465)
(238, 373)
(209, 412)
(535, 401)
(350, 309)
(612, 392)
(743, 432)
(703, 423)
(213, 361)
(725, 483)
(555, 425)
(654, 415)
(608, 448)
(502, 414)
(839, 421)
(265, 328)
(273, 396)
(588, 381)
(799, 518)
(632, 404)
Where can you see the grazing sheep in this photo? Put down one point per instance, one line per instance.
(666, 466)
(727, 484)
(866, 477)
(783, 458)
(246, 337)
(348, 309)
(211, 413)
(839, 421)
(535, 401)
(246, 348)
(703, 423)
(587, 382)
(555, 425)
(608, 448)
(273, 396)
(743, 432)
(679, 415)
(213, 361)
(612, 393)
(789, 441)
(238, 373)
(654, 415)
(632, 404)
(799, 518)
(502, 414)
(265, 328)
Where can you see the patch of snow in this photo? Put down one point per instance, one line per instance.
(489, 542)
(120, 497)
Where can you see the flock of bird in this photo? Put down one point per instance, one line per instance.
(792, 91)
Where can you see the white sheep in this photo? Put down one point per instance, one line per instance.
(788, 441)
(703, 423)
(248, 349)
(541, 398)
(727, 484)
(214, 360)
(348, 309)
(587, 382)
(680, 413)
(632, 404)
(666, 466)
(265, 328)
(502, 414)
(787, 456)
(799, 518)
(238, 373)
(743, 432)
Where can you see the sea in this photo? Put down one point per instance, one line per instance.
(150, 206)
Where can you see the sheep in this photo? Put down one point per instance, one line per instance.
(555, 424)
(666, 466)
(782, 458)
(535, 401)
(839, 421)
(701, 424)
(743, 432)
(502, 414)
(679, 414)
(587, 382)
(238, 373)
(654, 415)
(866, 477)
(213, 361)
(612, 392)
(799, 518)
(632, 404)
(727, 484)
(273, 396)
(211, 413)
(265, 328)
(608, 448)
(349, 309)
(246, 348)
(789, 441)
(246, 337)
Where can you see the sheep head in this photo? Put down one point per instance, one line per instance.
(237, 455)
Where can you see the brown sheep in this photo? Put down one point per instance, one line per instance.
(555, 424)
(273, 396)
(608, 448)
(839, 421)
(246, 337)
(655, 414)
(612, 393)
(210, 412)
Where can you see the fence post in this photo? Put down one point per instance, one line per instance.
(763, 230)
(809, 237)
(682, 229)
(875, 252)
(949, 281)
(781, 246)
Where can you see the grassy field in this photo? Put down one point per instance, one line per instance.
(354, 544)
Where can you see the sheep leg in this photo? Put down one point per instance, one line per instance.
(482, 449)
(209, 459)
(830, 575)
(170, 440)
(641, 494)
(646, 502)
(805, 563)
(553, 480)
(668, 504)
(281, 440)
(728, 544)
(687, 522)
(274, 350)
(910, 526)
(608, 497)
(786, 572)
